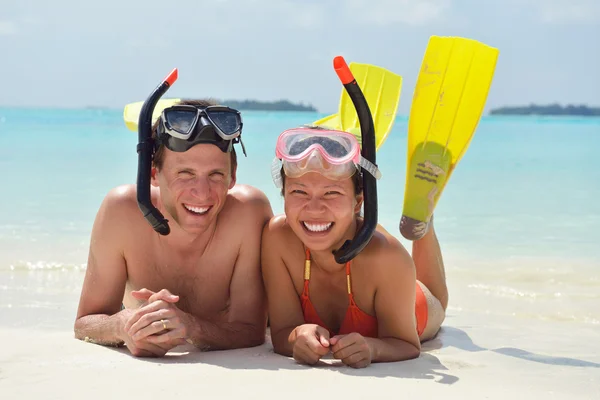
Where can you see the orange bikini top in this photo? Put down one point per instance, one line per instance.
(355, 319)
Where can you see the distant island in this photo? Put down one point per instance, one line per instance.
(551, 109)
(279, 105)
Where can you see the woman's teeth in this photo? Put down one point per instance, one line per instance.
(196, 210)
(317, 227)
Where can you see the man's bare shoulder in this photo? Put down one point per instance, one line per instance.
(121, 197)
(120, 209)
(249, 194)
(117, 221)
(248, 203)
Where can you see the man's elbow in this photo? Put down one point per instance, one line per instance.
(256, 340)
(256, 336)
(79, 329)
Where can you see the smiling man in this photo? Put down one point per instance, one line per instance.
(202, 282)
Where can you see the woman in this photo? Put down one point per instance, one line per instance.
(378, 307)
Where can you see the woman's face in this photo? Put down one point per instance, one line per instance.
(320, 211)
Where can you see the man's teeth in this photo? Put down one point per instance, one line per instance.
(317, 227)
(197, 210)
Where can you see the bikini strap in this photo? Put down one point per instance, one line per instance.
(348, 281)
(307, 274)
(307, 265)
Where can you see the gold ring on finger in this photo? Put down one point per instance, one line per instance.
(164, 323)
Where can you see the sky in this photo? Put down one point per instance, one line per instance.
(73, 53)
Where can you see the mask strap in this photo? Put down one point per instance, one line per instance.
(370, 167)
(242, 143)
(276, 173)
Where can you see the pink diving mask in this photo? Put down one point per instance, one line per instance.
(333, 154)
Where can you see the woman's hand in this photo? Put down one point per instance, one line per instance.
(353, 349)
(311, 343)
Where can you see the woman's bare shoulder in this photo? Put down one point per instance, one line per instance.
(385, 253)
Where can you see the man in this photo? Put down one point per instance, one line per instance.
(202, 282)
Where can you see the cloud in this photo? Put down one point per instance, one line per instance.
(569, 11)
(8, 28)
(409, 12)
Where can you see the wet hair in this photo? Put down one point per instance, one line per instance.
(159, 154)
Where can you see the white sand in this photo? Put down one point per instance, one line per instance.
(474, 357)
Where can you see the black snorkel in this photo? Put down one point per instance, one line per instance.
(145, 150)
(351, 248)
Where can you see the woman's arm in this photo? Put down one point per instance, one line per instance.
(285, 311)
(395, 306)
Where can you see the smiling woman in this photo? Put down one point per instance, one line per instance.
(370, 309)
(361, 301)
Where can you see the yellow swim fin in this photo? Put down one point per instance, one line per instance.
(450, 94)
(131, 112)
(381, 89)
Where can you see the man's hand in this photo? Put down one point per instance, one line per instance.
(352, 349)
(143, 348)
(159, 322)
(312, 343)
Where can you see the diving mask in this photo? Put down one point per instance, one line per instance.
(333, 154)
(183, 126)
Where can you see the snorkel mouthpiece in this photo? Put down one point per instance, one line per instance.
(351, 248)
(145, 150)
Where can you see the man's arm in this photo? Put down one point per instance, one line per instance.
(98, 317)
(246, 323)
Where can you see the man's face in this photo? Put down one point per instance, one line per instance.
(194, 184)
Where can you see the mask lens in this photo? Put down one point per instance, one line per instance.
(227, 121)
(333, 147)
(181, 121)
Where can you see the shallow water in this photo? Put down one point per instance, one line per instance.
(519, 222)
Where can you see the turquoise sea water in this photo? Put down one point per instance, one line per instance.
(520, 218)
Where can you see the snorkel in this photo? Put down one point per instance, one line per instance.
(145, 150)
(351, 248)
